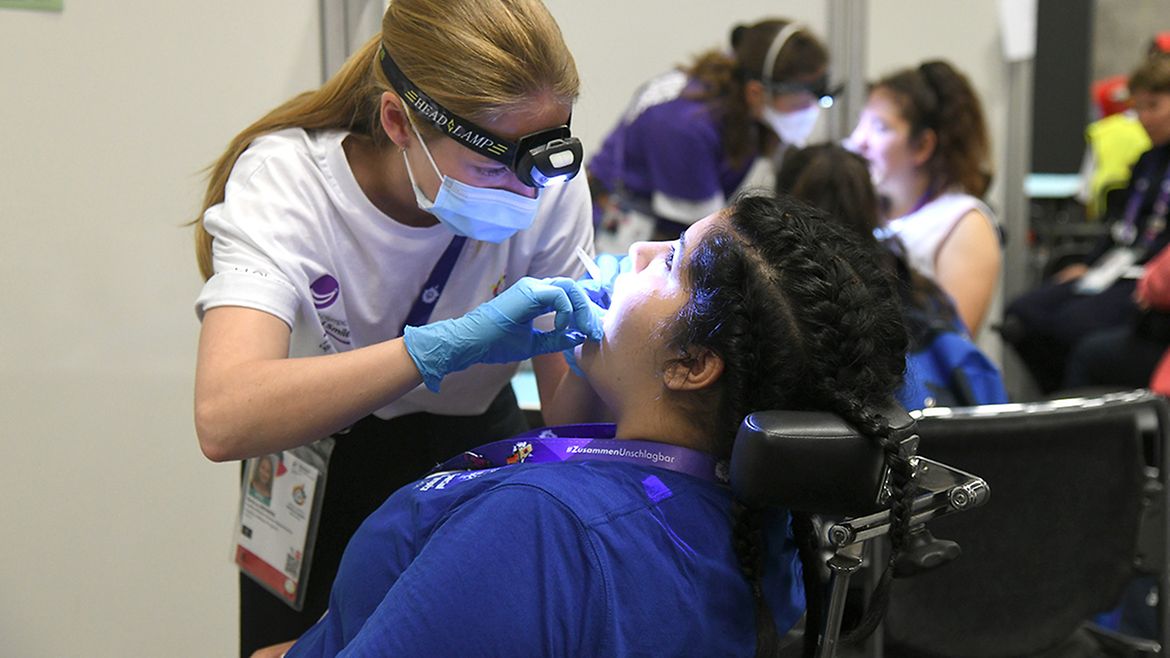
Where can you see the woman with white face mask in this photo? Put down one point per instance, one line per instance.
(693, 137)
(397, 229)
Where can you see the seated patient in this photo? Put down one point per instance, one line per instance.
(764, 305)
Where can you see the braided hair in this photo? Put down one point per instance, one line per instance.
(805, 317)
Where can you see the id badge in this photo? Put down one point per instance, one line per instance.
(1111, 267)
(280, 507)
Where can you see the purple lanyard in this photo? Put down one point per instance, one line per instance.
(586, 442)
(922, 200)
(429, 295)
(1126, 232)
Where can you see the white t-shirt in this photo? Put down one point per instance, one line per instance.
(923, 231)
(296, 237)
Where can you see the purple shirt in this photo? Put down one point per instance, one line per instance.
(674, 148)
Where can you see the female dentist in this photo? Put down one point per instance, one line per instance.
(404, 223)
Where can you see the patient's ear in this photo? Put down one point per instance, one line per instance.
(697, 368)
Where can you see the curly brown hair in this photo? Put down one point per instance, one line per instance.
(936, 96)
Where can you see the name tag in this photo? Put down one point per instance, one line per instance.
(1116, 263)
(280, 505)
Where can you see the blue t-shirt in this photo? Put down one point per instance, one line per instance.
(557, 559)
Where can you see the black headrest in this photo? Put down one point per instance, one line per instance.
(812, 462)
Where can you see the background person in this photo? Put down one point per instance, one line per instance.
(943, 367)
(690, 139)
(923, 132)
(1114, 141)
(1047, 323)
(753, 308)
(362, 209)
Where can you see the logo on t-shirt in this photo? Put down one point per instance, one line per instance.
(325, 291)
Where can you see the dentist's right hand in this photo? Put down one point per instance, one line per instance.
(501, 331)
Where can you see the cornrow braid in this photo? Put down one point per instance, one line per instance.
(804, 531)
(805, 316)
(747, 533)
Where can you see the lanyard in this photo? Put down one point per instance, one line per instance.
(1126, 232)
(894, 226)
(586, 442)
(927, 196)
(429, 295)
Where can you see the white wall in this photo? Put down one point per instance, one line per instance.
(115, 529)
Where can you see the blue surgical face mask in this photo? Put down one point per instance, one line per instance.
(479, 213)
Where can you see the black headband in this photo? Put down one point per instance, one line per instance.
(466, 132)
(931, 119)
(538, 159)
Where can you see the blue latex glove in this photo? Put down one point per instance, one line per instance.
(611, 265)
(500, 331)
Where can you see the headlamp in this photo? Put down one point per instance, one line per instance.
(538, 159)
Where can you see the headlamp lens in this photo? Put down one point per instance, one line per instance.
(562, 159)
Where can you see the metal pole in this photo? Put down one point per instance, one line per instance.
(1017, 163)
(334, 37)
(848, 24)
(843, 566)
(345, 25)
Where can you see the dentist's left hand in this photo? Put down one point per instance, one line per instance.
(610, 266)
(501, 331)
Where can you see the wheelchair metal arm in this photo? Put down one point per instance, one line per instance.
(816, 463)
(942, 490)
